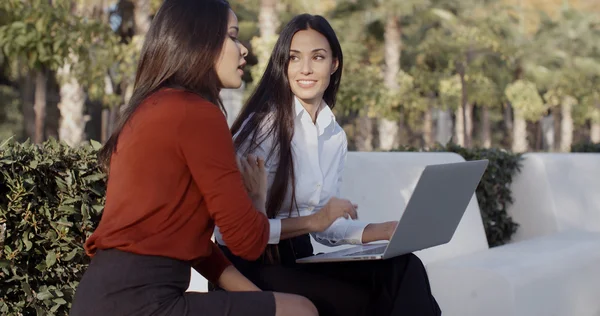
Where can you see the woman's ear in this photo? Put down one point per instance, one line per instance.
(334, 65)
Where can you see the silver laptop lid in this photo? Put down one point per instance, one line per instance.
(436, 206)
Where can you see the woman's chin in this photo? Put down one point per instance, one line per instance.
(308, 97)
(233, 84)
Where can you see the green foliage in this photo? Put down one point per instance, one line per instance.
(483, 91)
(41, 32)
(361, 88)
(585, 148)
(526, 100)
(408, 98)
(450, 92)
(51, 198)
(262, 48)
(493, 193)
(48, 35)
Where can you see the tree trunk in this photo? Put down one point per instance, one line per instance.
(486, 127)
(469, 124)
(443, 126)
(72, 107)
(388, 132)
(27, 92)
(105, 124)
(388, 129)
(112, 120)
(466, 108)
(595, 132)
(141, 16)
(566, 124)
(520, 144)
(459, 126)
(39, 106)
(547, 124)
(268, 21)
(428, 127)
(508, 120)
(556, 113)
(363, 138)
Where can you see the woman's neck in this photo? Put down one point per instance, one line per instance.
(312, 107)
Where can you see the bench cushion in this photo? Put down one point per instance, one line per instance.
(555, 275)
(555, 192)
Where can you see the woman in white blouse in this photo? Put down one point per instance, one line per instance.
(288, 121)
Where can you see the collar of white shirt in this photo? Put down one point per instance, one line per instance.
(325, 116)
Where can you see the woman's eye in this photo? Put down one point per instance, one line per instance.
(293, 58)
(319, 57)
(235, 39)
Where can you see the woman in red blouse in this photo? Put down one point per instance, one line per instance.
(173, 175)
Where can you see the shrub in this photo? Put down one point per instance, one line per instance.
(585, 148)
(493, 193)
(51, 198)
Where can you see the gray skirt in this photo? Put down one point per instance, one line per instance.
(120, 283)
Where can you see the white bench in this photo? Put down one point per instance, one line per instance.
(555, 192)
(557, 275)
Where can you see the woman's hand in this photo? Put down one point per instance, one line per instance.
(255, 179)
(379, 231)
(334, 209)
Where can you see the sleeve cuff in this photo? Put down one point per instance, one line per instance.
(274, 231)
(342, 231)
(354, 232)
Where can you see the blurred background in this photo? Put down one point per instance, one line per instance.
(521, 75)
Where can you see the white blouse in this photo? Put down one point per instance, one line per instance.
(319, 150)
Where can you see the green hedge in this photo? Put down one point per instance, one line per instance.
(493, 193)
(51, 198)
(585, 148)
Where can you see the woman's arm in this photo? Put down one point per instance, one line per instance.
(378, 231)
(232, 280)
(207, 147)
(297, 226)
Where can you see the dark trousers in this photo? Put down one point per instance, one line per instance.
(119, 283)
(397, 286)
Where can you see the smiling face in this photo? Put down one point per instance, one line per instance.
(310, 66)
(230, 64)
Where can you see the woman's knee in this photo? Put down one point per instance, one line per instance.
(293, 305)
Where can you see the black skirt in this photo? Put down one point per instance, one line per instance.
(397, 286)
(121, 283)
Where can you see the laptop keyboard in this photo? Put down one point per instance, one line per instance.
(374, 251)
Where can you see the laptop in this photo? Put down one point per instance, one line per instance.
(430, 218)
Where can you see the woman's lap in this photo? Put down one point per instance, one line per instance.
(331, 295)
(119, 283)
(356, 287)
(394, 286)
(227, 303)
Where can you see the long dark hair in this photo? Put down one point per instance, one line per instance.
(273, 100)
(184, 41)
